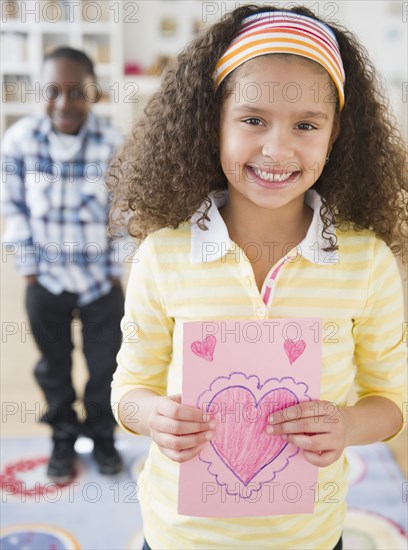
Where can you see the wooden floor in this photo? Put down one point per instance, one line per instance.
(21, 399)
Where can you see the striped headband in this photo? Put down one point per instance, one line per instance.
(284, 32)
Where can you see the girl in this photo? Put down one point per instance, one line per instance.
(268, 137)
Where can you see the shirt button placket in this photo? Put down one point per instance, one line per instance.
(261, 311)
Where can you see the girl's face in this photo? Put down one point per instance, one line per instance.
(277, 127)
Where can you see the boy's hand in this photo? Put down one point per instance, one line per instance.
(317, 427)
(31, 279)
(178, 430)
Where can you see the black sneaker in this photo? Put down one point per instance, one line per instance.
(61, 464)
(107, 457)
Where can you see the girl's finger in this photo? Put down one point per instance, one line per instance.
(305, 425)
(182, 456)
(309, 409)
(315, 443)
(177, 427)
(182, 442)
(325, 458)
(172, 408)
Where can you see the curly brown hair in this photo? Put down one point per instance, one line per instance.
(171, 161)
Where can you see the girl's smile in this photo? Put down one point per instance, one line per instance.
(271, 180)
(274, 142)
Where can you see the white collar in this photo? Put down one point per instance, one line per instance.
(213, 244)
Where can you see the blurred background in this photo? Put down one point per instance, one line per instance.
(131, 42)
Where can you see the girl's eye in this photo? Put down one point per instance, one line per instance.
(253, 121)
(306, 126)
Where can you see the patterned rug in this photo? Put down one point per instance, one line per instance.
(94, 512)
(377, 516)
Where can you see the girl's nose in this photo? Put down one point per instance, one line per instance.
(277, 145)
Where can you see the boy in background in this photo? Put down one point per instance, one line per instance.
(56, 209)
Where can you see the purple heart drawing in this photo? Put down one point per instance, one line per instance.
(294, 349)
(205, 349)
(244, 446)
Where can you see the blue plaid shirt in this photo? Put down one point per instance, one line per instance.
(56, 210)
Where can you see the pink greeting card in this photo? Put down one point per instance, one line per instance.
(239, 373)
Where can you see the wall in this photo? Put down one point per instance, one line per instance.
(381, 26)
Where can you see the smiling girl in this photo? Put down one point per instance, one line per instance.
(267, 180)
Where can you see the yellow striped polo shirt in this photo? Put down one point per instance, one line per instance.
(188, 274)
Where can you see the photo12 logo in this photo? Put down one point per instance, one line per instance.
(69, 11)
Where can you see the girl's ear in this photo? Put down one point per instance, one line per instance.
(335, 130)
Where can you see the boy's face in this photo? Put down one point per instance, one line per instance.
(68, 99)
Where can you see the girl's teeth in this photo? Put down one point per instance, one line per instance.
(271, 177)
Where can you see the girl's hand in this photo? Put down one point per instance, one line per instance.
(178, 430)
(317, 427)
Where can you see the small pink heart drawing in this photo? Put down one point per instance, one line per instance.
(205, 349)
(294, 349)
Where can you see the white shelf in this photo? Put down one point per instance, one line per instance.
(99, 28)
(131, 35)
(19, 69)
(100, 39)
(15, 26)
(60, 27)
(19, 109)
(103, 69)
